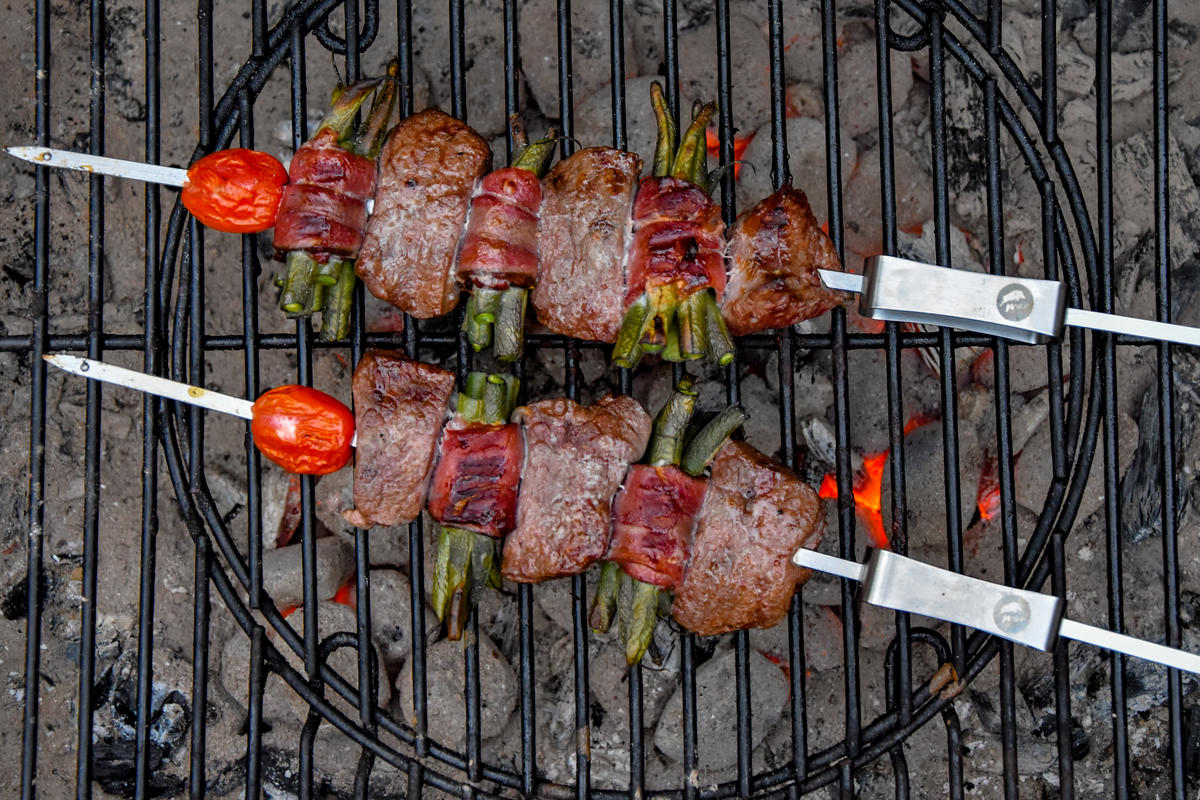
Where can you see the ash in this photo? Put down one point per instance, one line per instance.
(976, 708)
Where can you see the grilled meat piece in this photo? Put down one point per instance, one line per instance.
(575, 458)
(755, 515)
(323, 210)
(475, 483)
(653, 517)
(399, 407)
(582, 236)
(499, 249)
(775, 251)
(427, 171)
(678, 237)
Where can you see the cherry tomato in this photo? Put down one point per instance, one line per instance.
(235, 191)
(303, 430)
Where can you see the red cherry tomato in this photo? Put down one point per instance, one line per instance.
(235, 191)
(303, 430)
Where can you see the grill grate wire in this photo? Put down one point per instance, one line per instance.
(175, 266)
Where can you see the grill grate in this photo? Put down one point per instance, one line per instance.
(173, 341)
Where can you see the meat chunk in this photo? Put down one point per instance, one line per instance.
(653, 517)
(427, 172)
(499, 249)
(323, 210)
(678, 237)
(755, 515)
(399, 409)
(582, 236)
(477, 476)
(575, 458)
(774, 253)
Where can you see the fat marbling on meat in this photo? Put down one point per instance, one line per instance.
(755, 515)
(399, 409)
(582, 236)
(427, 172)
(575, 459)
(774, 252)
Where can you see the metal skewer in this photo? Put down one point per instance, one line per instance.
(65, 159)
(1025, 309)
(1029, 618)
(152, 384)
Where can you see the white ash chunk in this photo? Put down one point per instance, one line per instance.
(716, 704)
(446, 705)
(283, 570)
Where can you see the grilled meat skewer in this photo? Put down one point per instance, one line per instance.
(498, 259)
(775, 251)
(400, 406)
(582, 237)
(473, 496)
(575, 459)
(427, 171)
(755, 515)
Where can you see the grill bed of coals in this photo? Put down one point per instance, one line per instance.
(230, 632)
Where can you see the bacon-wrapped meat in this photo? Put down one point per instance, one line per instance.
(399, 406)
(498, 259)
(575, 458)
(653, 517)
(323, 211)
(427, 172)
(324, 206)
(474, 495)
(775, 252)
(678, 240)
(582, 238)
(475, 484)
(755, 515)
(675, 266)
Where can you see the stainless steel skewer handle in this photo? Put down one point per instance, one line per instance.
(1025, 309)
(1029, 618)
(905, 584)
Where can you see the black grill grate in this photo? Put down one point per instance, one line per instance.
(174, 342)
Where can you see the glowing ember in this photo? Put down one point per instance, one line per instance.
(347, 595)
(868, 495)
(868, 487)
(739, 147)
(988, 497)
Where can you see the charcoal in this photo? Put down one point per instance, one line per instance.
(1141, 488)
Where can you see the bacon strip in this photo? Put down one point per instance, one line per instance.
(653, 517)
(499, 248)
(323, 210)
(475, 484)
(678, 237)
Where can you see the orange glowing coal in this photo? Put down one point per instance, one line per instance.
(987, 499)
(868, 495)
(868, 487)
(739, 147)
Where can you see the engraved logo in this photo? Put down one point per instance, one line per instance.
(1014, 302)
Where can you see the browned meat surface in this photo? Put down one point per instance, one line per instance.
(477, 478)
(755, 515)
(399, 408)
(427, 172)
(774, 254)
(582, 236)
(575, 458)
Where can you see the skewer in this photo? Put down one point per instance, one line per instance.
(283, 420)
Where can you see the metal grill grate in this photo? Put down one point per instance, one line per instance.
(173, 341)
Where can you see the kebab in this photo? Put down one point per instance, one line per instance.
(473, 495)
(323, 213)
(498, 258)
(745, 525)
(653, 517)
